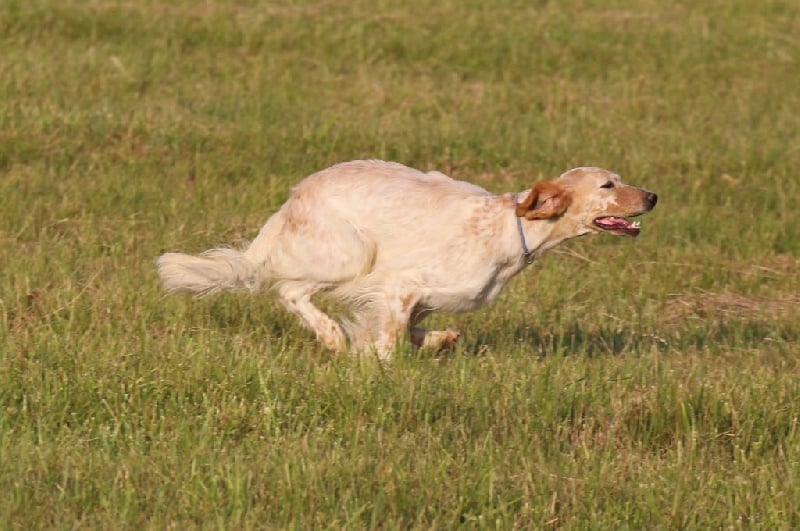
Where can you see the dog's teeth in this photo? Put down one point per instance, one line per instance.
(636, 224)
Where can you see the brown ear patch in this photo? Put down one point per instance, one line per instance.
(546, 200)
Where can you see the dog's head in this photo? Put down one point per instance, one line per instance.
(587, 200)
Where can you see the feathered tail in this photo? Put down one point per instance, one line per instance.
(215, 270)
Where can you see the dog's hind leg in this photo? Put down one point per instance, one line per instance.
(296, 297)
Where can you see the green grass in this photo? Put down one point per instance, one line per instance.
(616, 384)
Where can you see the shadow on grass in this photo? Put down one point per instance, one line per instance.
(579, 338)
(573, 337)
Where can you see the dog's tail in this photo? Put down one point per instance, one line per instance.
(220, 269)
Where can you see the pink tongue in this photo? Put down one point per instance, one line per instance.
(613, 222)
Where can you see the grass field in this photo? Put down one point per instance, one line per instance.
(652, 383)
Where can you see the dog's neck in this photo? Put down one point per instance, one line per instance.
(533, 237)
(526, 253)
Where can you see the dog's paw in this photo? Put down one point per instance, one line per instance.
(442, 340)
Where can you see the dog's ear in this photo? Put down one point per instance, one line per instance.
(546, 200)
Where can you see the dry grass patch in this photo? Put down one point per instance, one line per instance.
(729, 306)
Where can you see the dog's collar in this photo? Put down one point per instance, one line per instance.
(525, 251)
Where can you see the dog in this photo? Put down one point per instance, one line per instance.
(396, 244)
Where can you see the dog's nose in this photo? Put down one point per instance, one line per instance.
(652, 199)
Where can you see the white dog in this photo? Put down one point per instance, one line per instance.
(397, 244)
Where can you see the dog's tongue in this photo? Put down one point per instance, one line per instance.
(613, 222)
(617, 224)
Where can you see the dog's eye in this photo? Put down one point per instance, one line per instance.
(609, 184)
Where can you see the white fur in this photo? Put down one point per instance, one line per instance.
(394, 242)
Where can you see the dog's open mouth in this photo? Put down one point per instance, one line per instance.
(617, 225)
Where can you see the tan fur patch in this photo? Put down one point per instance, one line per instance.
(546, 200)
(406, 301)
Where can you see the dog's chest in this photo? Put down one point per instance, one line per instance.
(467, 292)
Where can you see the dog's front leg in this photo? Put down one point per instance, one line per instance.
(439, 340)
(392, 315)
